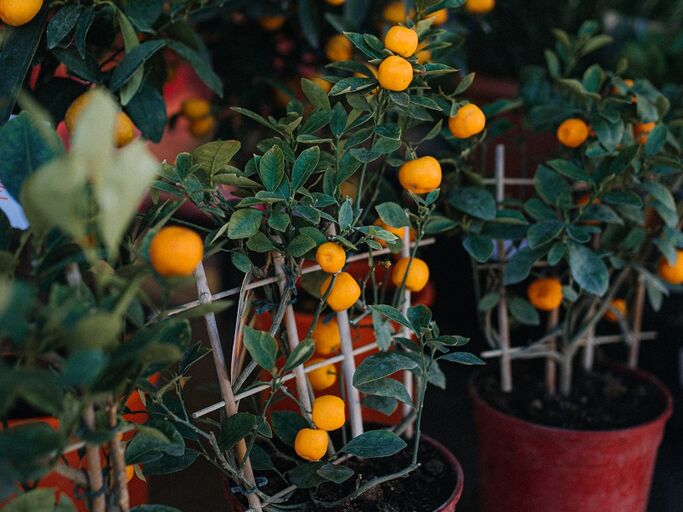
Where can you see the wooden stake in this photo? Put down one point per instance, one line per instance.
(407, 409)
(503, 323)
(92, 455)
(224, 382)
(118, 462)
(550, 363)
(639, 306)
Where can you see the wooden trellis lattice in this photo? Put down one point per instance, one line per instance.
(546, 347)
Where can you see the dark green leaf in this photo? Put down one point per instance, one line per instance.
(543, 232)
(147, 109)
(262, 347)
(479, 247)
(378, 366)
(522, 311)
(304, 166)
(272, 168)
(588, 270)
(62, 23)
(392, 314)
(132, 62)
(520, 265)
(235, 428)
(393, 215)
(286, 425)
(475, 201)
(244, 223)
(335, 472)
(302, 353)
(386, 387)
(375, 443)
(462, 358)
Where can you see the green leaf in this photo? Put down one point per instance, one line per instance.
(302, 353)
(132, 62)
(570, 170)
(374, 444)
(305, 476)
(315, 94)
(147, 109)
(462, 358)
(236, 427)
(479, 247)
(588, 270)
(309, 19)
(627, 198)
(392, 314)
(262, 347)
(86, 67)
(304, 166)
(260, 459)
(215, 156)
(488, 301)
(82, 29)
(286, 425)
(475, 201)
(550, 186)
(62, 23)
(154, 508)
(199, 64)
(655, 140)
(168, 464)
(378, 366)
(522, 311)
(244, 223)
(543, 232)
(419, 316)
(272, 168)
(301, 245)
(392, 215)
(335, 473)
(345, 215)
(660, 192)
(520, 264)
(152, 443)
(38, 500)
(386, 387)
(144, 13)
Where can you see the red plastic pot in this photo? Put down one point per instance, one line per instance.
(449, 505)
(526, 467)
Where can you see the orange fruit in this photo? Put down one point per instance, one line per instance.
(480, 6)
(327, 338)
(545, 293)
(196, 108)
(469, 120)
(19, 12)
(335, 2)
(323, 377)
(418, 274)
(423, 54)
(345, 292)
(130, 472)
(272, 23)
(329, 412)
(642, 130)
(202, 127)
(401, 40)
(338, 48)
(391, 229)
(311, 444)
(125, 129)
(672, 274)
(331, 257)
(421, 175)
(395, 73)
(620, 306)
(176, 251)
(395, 12)
(572, 132)
(438, 17)
(348, 188)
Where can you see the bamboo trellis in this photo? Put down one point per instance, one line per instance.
(546, 347)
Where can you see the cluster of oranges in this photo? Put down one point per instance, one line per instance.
(19, 12)
(125, 129)
(198, 112)
(328, 414)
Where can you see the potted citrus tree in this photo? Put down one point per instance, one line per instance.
(599, 233)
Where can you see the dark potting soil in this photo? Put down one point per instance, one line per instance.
(423, 490)
(604, 399)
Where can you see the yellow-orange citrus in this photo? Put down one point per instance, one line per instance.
(130, 472)
(620, 306)
(421, 175)
(202, 127)
(545, 293)
(395, 12)
(401, 40)
(338, 48)
(395, 73)
(323, 377)
(329, 412)
(326, 337)
(176, 251)
(196, 108)
(423, 54)
(345, 291)
(311, 444)
(125, 130)
(391, 229)
(642, 130)
(335, 2)
(322, 83)
(469, 120)
(438, 17)
(331, 257)
(418, 274)
(272, 23)
(672, 274)
(573, 132)
(19, 12)
(480, 6)
(348, 188)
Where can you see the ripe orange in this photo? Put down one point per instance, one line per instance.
(438, 17)
(418, 275)
(348, 188)
(331, 257)
(202, 127)
(573, 132)
(545, 293)
(335, 2)
(423, 54)
(469, 120)
(395, 12)
(642, 130)
(391, 229)
(338, 48)
(310, 444)
(327, 338)
(421, 175)
(176, 251)
(125, 129)
(19, 12)
(196, 108)
(395, 73)
(329, 412)
(130, 472)
(480, 6)
(401, 40)
(345, 291)
(272, 23)
(323, 377)
(621, 306)
(672, 274)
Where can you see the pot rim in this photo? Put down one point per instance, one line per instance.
(455, 464)
(637, 372)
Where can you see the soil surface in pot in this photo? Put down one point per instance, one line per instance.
(604, 399)
(423, 490)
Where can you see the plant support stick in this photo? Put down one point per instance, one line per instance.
(405, 333)
(550, 363)
(639, 305)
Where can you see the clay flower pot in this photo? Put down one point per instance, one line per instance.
(526, 467)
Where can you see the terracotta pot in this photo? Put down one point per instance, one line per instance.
(449, 505)
(526, 467)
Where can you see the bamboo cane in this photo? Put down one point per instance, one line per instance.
(92, 455)
(639, 306)
(550, 363)
(405, 333)
(118, 462)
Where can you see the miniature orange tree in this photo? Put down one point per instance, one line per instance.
(603, 227)
(287, 204)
